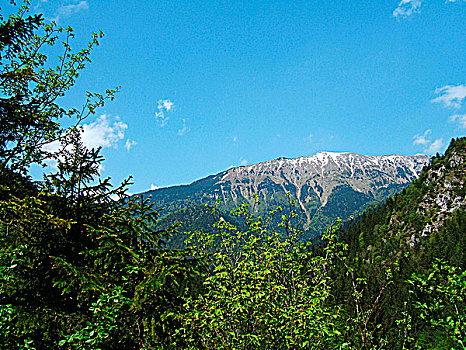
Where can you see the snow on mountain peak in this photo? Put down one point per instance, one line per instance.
(325, 171)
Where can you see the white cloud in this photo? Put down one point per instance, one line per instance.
(310, 137)
(153, 187)
(451, 96)
(161, 118)
(163, 106)
(51, 147)
(422, 139)
(38, 4)
(130, 143)
(434, 147)
(407, 8)
(243, 161)
(104, 132)
(66, 11)
(460, 118)
(55, 150)
(235, 138)
(167, 104)
(430, 146)
(184, 130)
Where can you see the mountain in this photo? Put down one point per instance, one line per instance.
(428, 213)
(410, 252)
(326, 186)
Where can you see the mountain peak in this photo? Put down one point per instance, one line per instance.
(325, 185)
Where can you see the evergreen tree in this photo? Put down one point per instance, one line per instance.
(78, 268)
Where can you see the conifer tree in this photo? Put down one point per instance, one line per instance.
(80, 266)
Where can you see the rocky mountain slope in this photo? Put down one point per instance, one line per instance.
(325, 186)
(429, 207)
(446, 184)
(410, 254)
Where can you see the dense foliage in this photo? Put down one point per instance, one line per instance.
(78, 268)
(419, 232)
(83, 266)
(261, 290)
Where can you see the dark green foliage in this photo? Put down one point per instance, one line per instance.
(14, 31)
(408, 233)
(191, 219)
(439, 298)
(79, 268)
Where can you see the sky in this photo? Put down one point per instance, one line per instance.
(207, 85)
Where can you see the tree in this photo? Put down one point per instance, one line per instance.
(78, 269)
(260, 290)
(30, 88)
(439, 300)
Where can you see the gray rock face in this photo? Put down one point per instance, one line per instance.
(326, 185)
(446, 193)
(324, 172)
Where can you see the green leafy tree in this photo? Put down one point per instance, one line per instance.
(30, 87)
(439, 301)
(261, 289)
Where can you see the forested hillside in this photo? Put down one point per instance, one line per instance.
(427, 217)
(419, 232)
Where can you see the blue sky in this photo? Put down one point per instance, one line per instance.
(206, 85)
